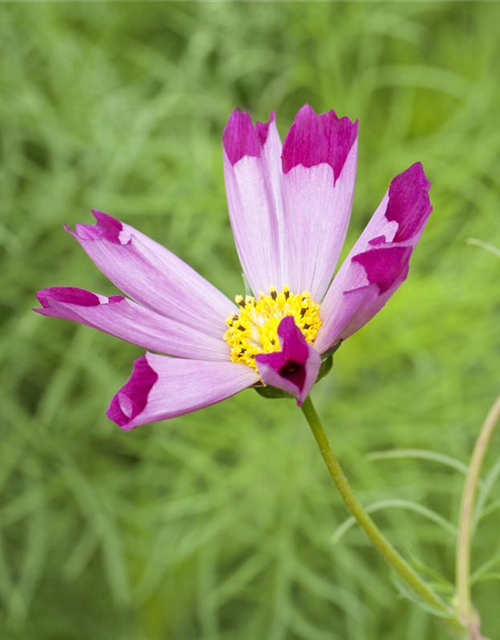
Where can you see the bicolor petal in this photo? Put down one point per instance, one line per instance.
(319, 166)
(372, 279)
(161, 388)
(253, 187)
(379, 261)
(152, 275)
(295, 368)
(132, 322)
(403, 213)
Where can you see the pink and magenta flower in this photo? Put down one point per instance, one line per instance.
(289, 207)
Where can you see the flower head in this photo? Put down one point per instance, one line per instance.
(289, 208)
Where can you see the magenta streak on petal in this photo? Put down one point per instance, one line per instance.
(73, 295)
(409, 204)
(377, 240)
(383, 266)
(262, 128)
(318, 138)
(180, 386)
(129, 321)
(106, 228)
(341, 134)
(240, 138)
(153, 276)
(132, 398)
(294, 369)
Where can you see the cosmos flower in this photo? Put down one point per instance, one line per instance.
(289, 208)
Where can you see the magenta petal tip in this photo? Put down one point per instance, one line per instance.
(240, 138)
(315, 139)
(132, 398)
(385, 266)
(409, 203)
(106, 228)
(262, 128)
(73, 295)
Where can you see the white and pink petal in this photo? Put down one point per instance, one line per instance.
(403, 213)
(379, 261)
(132, 322)
(372, 279)
(152, 275)
(253, 187)
(319, 171)
(161, 388)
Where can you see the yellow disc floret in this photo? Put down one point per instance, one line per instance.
(255, 328)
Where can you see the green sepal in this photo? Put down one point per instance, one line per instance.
(332, 350)
(272, 393)
(326, 367)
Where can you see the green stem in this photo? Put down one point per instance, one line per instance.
(397, 562)
(466, 613)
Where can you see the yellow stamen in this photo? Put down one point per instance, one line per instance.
(255, 328)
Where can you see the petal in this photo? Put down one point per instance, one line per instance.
(240, 139)
(161, 388)
(319, 164)
(253, 186)
(379, 261)
(154, 276)
(130, 321)
(402, 214)
(372, 279)
(316, 139)
(295, 368)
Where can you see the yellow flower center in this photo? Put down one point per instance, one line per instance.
(255, 328)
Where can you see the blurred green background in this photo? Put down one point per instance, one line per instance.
(219, 525)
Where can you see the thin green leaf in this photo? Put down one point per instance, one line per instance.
(484, 245)
(421, 454)
(397, 504)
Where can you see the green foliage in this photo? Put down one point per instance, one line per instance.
(218, 525)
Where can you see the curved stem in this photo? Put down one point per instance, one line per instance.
(397, 562)
(465, 610)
